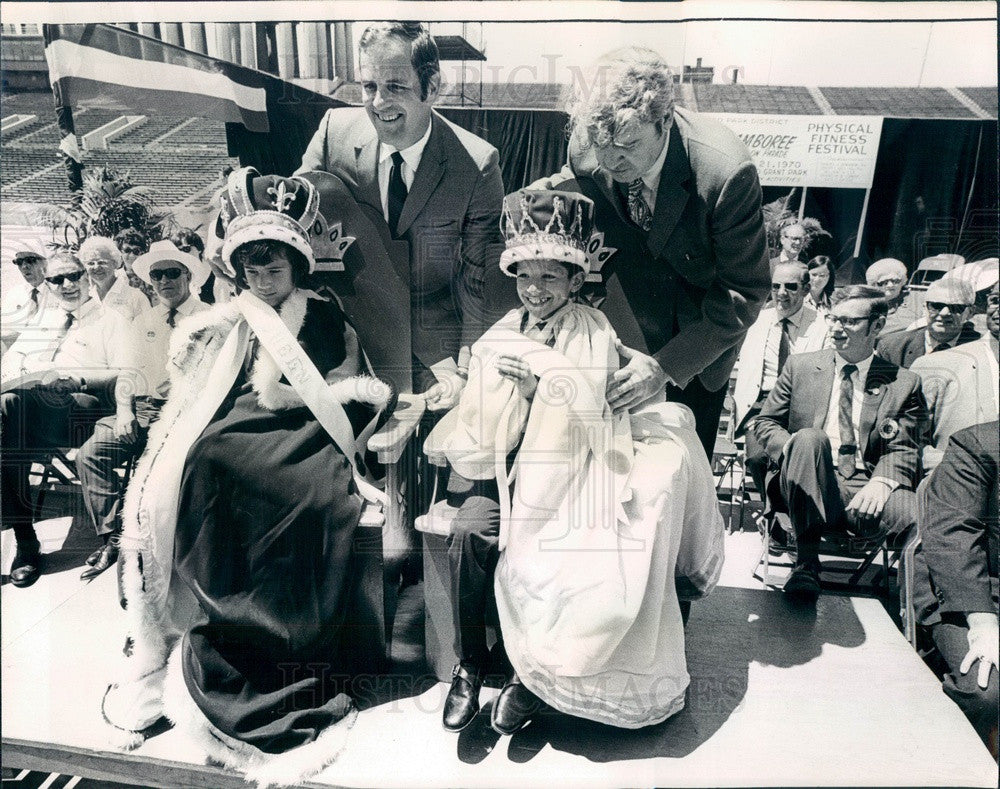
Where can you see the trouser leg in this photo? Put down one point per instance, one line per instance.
(978, 704)
(810, 490)
(472, 555)
(97, 462)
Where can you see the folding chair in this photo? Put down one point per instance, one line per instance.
(907, 609)
(381, 529)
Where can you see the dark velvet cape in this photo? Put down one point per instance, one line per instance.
(268, 510)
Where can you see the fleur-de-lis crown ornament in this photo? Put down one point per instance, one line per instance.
(255, 207)
(551, 225)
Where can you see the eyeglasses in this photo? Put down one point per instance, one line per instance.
(131, 250)
(27, 261)
(882, 283)
(937, 306)
(165, 273)
(847, 323)
(791, 287)
(59, 279)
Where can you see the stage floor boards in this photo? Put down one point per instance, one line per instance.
(778, 697)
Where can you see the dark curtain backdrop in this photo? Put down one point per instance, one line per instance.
(532, 143)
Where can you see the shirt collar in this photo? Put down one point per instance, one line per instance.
(863, 366)
(411, 155)
(85, 309)
(651, 178)
(186, 307)
(795, 318)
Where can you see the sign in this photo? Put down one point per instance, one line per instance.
(809, 150)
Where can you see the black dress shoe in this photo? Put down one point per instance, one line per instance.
(462, 703)
(27, 565)
(803, 583)
(514, 707)
(107, 558)
(93, 558)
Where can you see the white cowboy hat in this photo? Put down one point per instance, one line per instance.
(160, 251)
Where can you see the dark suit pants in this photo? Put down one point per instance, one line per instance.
(816, 496)
(101, 455)
(35, 421)
(707, 408)
(472, 556)
(978, 704)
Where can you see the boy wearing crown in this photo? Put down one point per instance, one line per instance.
(564, 518)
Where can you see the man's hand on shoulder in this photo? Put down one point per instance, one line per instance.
(638, 380)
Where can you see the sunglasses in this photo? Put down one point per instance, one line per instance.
(165, 273)
(59, 279)
(884, 282)
(791, 287)
(937, 306)
(27, 261)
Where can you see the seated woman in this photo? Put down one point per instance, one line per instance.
(602, 518)
(239, 522)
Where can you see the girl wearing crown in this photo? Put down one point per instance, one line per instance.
(238, 554)
(583, 516)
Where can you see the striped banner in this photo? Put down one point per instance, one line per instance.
(105, 67)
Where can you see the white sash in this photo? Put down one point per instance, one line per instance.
(303, 376)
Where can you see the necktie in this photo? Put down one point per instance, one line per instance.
(397, 192)
(638, 208)
(70, 319)
(171, 316)
(784, 345)
(34, 296)
(942, 347)
(848, 443)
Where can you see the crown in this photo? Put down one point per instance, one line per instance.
(255, 206)
(551, 225)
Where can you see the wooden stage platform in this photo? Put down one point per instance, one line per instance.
(778, 697)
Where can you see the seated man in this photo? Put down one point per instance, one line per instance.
(948, 305)
(956, 572)
(788, 326)
(56, 384)
(108, 279)
(24, 300)
(961, 385)
(140, 392)
(905, 306)
(842, 428)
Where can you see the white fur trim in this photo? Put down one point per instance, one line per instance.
(286, 769)
(363, 389)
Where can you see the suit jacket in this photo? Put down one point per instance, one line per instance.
(960, 386)
(956, 565)
(687, 291)
(903, 348)
(751, 357)
(451, 219)
(891, 415)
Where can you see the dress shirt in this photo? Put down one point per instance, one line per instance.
(411, 161)
(832, 424)
(651, 178)
(772, 344)
(122, 297)
(994, 359)
(18, 309)
(95, 341)
(149, 344)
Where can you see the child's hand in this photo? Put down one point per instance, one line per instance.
(517, 370)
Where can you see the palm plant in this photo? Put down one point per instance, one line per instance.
(108, 203)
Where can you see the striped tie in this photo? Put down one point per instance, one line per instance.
(638, 208)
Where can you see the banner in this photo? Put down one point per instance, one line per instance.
(106, 67)
(836, 151)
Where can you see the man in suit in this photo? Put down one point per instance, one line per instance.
(56, 381)
(793, 239)
(140, 391)
(678, 197)
(842, 429)
(435, 185)
(789, 326)
(22, 302)
(948, 304)
(961, 385)
(955, 570)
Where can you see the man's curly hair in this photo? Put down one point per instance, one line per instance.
(633, 83)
